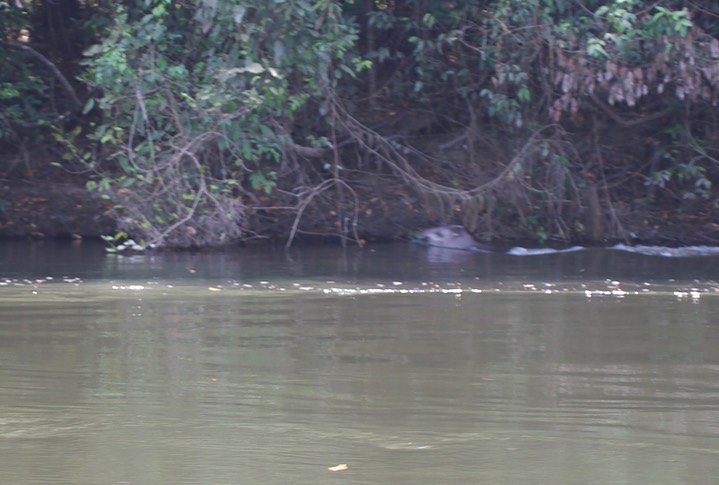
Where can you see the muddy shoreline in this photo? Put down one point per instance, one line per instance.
(44, 209)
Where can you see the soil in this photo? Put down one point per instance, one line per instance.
(44, 209)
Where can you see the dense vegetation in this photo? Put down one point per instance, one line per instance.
(206, 122)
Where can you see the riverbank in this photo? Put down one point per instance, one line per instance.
(383, 211)
(47, 209)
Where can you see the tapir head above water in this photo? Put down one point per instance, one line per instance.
(450, 237)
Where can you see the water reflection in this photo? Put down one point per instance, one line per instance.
(270, 369)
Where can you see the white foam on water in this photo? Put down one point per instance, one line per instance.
(520, 251)
(683, 252)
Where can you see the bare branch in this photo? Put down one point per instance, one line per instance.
(63, 80)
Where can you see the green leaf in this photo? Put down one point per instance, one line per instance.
(88, 106)
(252, 68)
(127, 182)
(347, 69)
(523, 94)
(595, 48)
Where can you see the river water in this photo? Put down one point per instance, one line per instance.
(406, 364)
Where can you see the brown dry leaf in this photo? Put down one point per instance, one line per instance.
(338, 468)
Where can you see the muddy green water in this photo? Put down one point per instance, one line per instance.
(408, 365)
